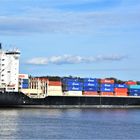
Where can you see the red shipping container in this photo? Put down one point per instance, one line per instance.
(107, 81)
(107, 93)
(90, 93)
(121, 94)
(122, 90)
(131, 83)
(55, 83)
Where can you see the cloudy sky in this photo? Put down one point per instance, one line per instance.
(87, 38)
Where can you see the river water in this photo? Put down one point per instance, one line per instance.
(41, 123)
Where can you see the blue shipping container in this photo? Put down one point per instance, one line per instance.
(25, 86)
(107, 85)
(25, 81)
(121, 86)
(90, 89)
(94, 80)
(74, 88)
(70, 83)
(134, 94)
(134, 90)
(91, 84)
(107, 89)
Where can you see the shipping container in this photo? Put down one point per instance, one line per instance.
(54, 88)
(25, 85)
(55, 93)
(107, 89)
(106, 81)
(107, 85)
(91, 93)
(121, 94)
(73, 88)
(134, 90)
(75, 83)
(55, 83)
(25, 81)
(90, 89)
(91, 84)
(23, 76)
(73, 93)
(121, 86)
(91, 80)
(134, 87)
(131, 83)
(125, 90)
(107, 94)
(134, 94)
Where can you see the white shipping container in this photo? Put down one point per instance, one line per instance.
(73, 93)
(55, 93)
(51, 88)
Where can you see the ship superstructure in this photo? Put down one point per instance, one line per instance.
(9, 69)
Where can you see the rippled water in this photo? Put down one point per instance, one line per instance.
(69, 123)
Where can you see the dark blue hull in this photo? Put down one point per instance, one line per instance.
(19, 99)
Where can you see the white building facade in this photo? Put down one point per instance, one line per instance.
(9, 70)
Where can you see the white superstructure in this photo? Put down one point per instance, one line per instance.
(9, 69)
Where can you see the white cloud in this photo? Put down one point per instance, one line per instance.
(70, 59)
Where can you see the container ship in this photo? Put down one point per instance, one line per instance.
(23, 90)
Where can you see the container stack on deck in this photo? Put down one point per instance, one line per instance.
(133, 88)
(121, 90)
(90, 86)
(69, 86)
(23, 81)
(107, 87)
(54, 88)
(72, 86)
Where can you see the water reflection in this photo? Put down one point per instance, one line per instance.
(8, 123)
(69, 123)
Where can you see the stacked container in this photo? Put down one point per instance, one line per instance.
(121, 90)
(134, 90)
(72, 86)
(107, 87)
(54, 88)
(23, 81)
(90, 86)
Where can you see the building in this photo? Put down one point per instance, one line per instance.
(9, 69)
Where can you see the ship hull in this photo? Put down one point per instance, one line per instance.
(19, 99)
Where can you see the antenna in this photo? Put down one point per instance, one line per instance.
(0, 46)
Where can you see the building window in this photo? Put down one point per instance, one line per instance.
(2, 75)
(2, 64)
(3, 59)
(8, 71)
